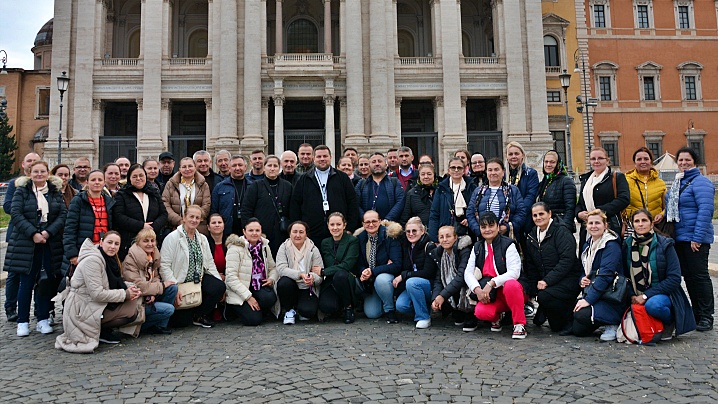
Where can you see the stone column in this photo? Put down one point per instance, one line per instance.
(497, 16)
(252, 80)
(512, 38)
(265, 121)
(327, 26)
(279, 27)
(60, 63)
(379, 64)
(100, 21)
(263, 30)
(395, 15)
(463, 115)
(209, 136)
(329, 135)
(397, 113)
(156, 18)
(343, 118)
(453, 136)
(436, 26)
(225, 78)
(210, 28)
(167, 33)
(458, 27)
(356, 136)
(166, 122)
(98, 113)
(278, 124)
(342, 27)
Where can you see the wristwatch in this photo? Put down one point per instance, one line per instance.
(644, 296)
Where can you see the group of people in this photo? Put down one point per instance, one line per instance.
(130, 246)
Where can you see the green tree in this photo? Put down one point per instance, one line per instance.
(8, 145)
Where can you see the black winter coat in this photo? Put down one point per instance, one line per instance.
(21, 247)
(560, 195)
(554, 261)
(413, 260)
(462, 252)
(417, 203)
(128, 218)
(606, 200)
(80, 223)
(307, 201)
(259, 202)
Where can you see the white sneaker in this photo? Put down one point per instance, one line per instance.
(44, 327)
(23, 329)
(519, 331)
(289, 317)
(422, 324)
(609, 333)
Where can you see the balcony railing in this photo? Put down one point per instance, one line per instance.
(129, 62)
(303, 57)
(553, 69)
(413, 61)
(481, 60)
(188, 61)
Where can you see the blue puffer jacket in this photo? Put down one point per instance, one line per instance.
(665, 279)
(606, 265)
(223, 201)
(696, 208)
(80, 224)
(528, 186)
(387, 249)
(517, 211)
(394, 193)
(443, 204)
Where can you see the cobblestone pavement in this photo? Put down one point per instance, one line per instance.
(368, 361)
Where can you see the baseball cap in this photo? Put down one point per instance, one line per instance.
(166, 155)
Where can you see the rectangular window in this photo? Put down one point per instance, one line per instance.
(683, 21)
(559, 143)
(612, 151)
(599, 16)
(604, 83)
(697, 145)
(43, 102)
(656, 148)
(691, 88)
(553, 96)
(649, 89)
(643, 17)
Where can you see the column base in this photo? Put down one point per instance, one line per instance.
(76, 149)
(226, 143)
(380, 143)
(448, 145)
(150, 148)
(358, 141)
(252, 142)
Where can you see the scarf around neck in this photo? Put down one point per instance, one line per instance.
(42, 204)
(297, 255)
(194, 271)
(641, 271)
(550, 177)
(459, 201)
(259, 272)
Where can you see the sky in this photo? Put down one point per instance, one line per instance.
(19, 22)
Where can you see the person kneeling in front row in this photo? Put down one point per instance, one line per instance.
(496, 260)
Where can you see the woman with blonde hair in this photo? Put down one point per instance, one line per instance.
(187, 187)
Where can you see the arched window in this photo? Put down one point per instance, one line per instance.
(133, 45)
(197, 44)
(302, 37)
(550, 51)
(406, 44)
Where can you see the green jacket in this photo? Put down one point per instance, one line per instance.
(345, 259)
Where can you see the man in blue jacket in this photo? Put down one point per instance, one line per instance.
(227, 196)
(379, 263)
(13, 280)
(380, 192)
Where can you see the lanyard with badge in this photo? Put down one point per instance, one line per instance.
(323, 189)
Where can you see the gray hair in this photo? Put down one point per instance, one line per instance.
(293, 154)
(201, 153)
(221, 152)
(405, 149)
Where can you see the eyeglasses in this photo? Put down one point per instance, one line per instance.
(82, 167)
(371, 222)
(473, 163)
(597, 158)
(455, 168)
(412, 231)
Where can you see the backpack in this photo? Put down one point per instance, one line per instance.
(638, 327)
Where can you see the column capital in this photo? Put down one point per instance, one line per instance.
(166, 102)
(208, 103)
(397, 102)
(342, 101)
(438, 101)
(265, 102)
(328, 100)
(278, 100)
(139, 102)
(463, 101)
(503, 101)
(98, 105)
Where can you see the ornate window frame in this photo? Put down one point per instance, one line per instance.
(649, 69)
(606, 9)
(649, 6)
(555, 26)
(606, 68)
(691, 68)
(691, 14)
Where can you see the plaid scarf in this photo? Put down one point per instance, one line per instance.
(373, 241)
(549, 177)
(641, 270)
(259, 272)
(194, 273)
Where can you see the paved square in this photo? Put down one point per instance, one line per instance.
(363, 362)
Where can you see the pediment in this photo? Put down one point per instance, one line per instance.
(553, 19)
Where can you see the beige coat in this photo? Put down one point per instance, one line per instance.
(87, 296)
(174, 264)
(171, 199)
(239, 270)
(136, 268)
(312, 258)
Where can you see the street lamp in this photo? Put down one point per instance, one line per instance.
(565, 79)
(62, 83)
(576, 56)
(4, 62)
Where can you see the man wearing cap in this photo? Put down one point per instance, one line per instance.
(167, 166)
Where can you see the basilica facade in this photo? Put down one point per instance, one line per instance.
(183, 75)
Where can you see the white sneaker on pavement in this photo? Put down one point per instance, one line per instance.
(289, 317)
(44, 327)
(23, 329)
(422, 324)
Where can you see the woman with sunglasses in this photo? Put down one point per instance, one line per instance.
(451, 199)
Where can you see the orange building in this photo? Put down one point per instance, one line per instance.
(27, 93)
(653, 66)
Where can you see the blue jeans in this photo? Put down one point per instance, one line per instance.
(659, 306)
(12, 285)
(160, 312)
(382, 299)
(415, 299)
